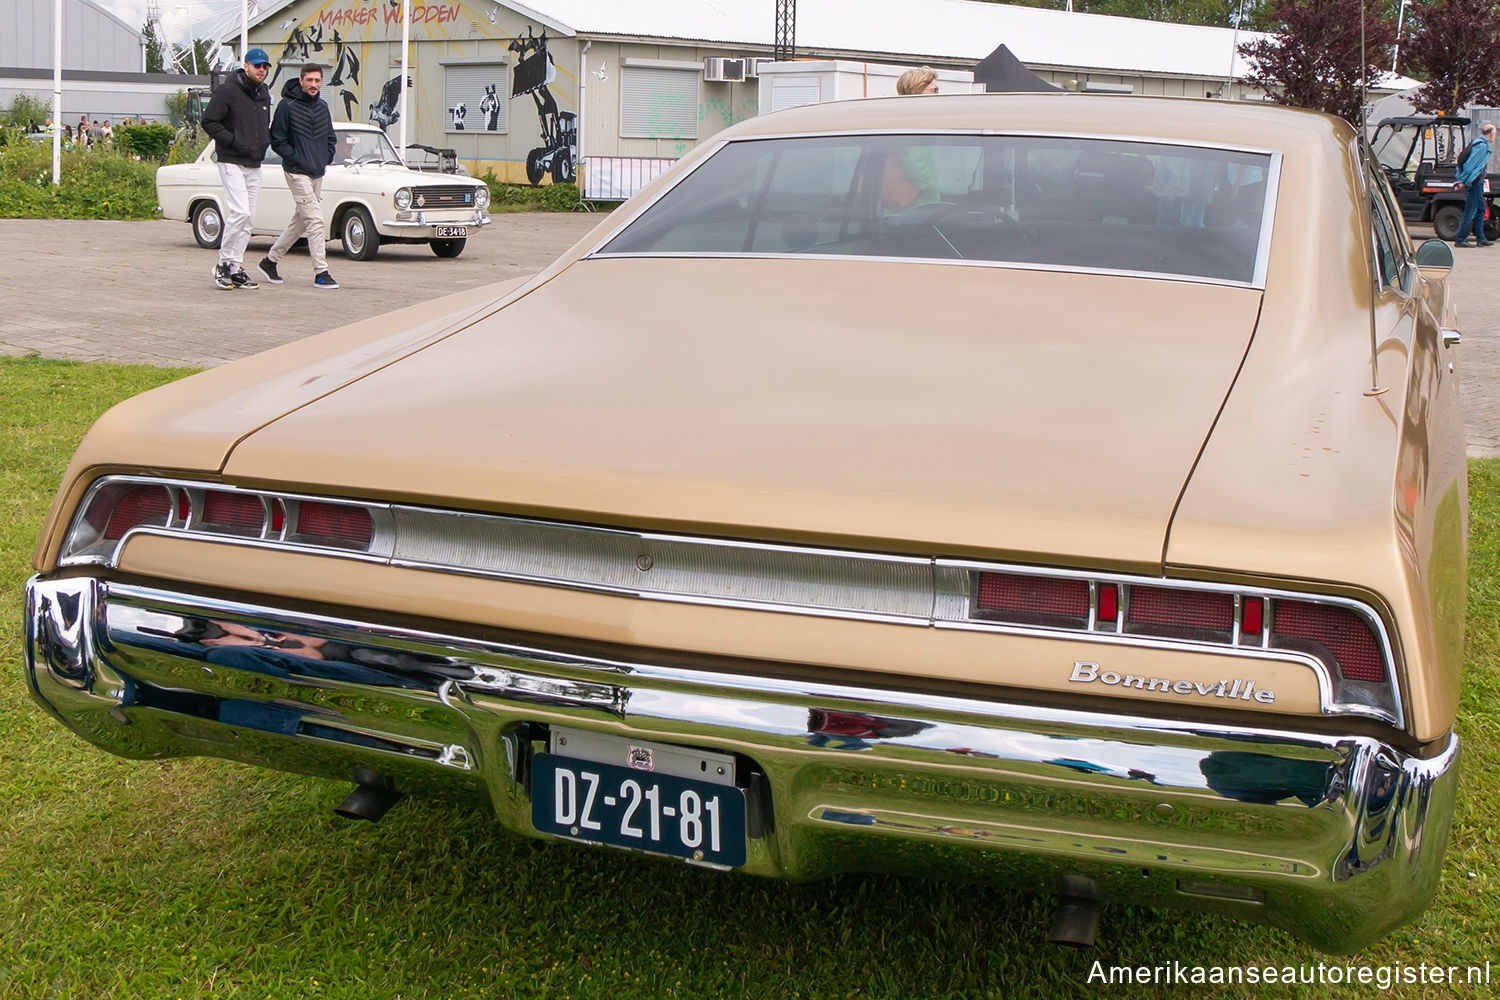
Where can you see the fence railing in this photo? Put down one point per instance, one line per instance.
(615, 178)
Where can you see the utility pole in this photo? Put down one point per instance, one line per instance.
(786, 30)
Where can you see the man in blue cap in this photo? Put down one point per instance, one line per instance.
(238, 120)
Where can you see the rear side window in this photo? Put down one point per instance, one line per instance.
(1114, 205)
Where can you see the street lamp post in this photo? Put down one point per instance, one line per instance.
(56, 92)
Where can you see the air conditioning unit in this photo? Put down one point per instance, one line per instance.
(723, 70)
(752, 67)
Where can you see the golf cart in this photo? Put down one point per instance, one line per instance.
(1419, 154)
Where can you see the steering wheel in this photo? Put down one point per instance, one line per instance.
(924, 214)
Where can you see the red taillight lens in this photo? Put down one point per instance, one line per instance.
(1033, 600)
(1183, 614)
(1252, 618)
(237, 512)
(334, 524)
(1109, 604)
(1330, 630)
(137, 506)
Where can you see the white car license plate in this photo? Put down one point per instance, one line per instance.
(452, 232)
(649, 811)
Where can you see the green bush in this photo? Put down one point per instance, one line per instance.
(26, 111)
(524, 198)
(186, 147)
(177, 106)
(147, 141)
(97, 185)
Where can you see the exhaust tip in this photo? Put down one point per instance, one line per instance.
(367, 802)
(1075, 922)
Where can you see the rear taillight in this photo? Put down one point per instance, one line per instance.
(137, 507)
(334, 524)
(234, 513)
(1342, 638)
(1334, 634)
(1206, 616)
(1033, 600)
(118, 505)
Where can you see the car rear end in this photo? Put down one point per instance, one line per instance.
(938, 611)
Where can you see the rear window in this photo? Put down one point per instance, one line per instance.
(1052, 202)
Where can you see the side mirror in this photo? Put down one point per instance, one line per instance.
(1435, 253)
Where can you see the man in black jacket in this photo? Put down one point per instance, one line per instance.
(302, 135)
(238, 120)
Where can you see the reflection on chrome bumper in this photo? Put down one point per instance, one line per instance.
(1336, 839)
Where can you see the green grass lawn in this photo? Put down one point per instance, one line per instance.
(201, 878)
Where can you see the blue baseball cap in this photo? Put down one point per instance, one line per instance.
(258, 57)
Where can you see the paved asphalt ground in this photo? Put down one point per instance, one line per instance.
(141, 292)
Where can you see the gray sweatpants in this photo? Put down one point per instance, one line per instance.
(307, 220)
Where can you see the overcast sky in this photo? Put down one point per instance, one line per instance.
(177, 16)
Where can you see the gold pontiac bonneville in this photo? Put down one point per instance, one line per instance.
(1062, 489)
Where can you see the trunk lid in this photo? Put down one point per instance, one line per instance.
(917, 407)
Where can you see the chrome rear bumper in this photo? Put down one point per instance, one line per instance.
(1336, 839)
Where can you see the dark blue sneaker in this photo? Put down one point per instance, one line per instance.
(325, 280)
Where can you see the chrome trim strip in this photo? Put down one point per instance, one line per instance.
(733, 573)
(1001, 265)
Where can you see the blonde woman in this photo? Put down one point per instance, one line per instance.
(922, 80)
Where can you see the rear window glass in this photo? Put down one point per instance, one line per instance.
(1078, 203)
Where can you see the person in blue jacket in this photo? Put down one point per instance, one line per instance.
(1471, 174)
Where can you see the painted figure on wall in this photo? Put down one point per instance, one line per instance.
(386, 111)
(534, 71)
(491, 106)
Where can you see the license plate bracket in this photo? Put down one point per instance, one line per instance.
(652, 811)
(452, 232)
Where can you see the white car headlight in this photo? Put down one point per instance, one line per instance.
(403, 199)
(482, 197)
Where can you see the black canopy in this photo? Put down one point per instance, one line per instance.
(1001, 71)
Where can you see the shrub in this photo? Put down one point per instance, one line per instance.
(524, 198)
(177, 107)
(26, 111)
(186, 147)
(99, 185)
(148, 141)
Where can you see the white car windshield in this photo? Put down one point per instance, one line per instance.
(364, 147)
(1041, 201)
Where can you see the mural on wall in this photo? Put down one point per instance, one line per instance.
(534, 71)
(358, 38)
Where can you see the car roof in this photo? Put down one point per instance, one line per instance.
(1214, 122)
(1424, 120)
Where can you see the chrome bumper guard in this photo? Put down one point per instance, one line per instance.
(1336, 839)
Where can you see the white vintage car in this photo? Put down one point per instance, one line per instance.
(369, 197)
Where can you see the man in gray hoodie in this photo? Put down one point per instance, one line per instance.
(302, 135)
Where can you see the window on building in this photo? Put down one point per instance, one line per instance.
(658, 103)
(476, 97)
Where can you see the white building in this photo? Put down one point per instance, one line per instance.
(104, 62)
(514, 87)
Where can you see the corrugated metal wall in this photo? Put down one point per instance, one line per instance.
(92, 38)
